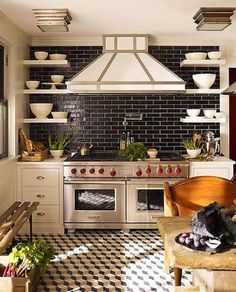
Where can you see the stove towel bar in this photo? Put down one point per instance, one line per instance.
(13, 219)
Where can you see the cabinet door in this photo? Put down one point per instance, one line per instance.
(221, 172)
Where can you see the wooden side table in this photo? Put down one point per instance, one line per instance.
(211, 272)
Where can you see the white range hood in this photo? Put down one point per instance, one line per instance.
(126, 66)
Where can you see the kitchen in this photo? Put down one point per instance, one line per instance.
(100, 118)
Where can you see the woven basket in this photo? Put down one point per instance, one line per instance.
(34, 156)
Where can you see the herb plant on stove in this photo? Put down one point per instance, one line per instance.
(134, 151)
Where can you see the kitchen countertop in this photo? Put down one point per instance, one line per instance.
(49, 160)
(219, 159)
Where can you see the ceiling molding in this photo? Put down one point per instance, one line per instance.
(67, 41)
(185, 41)
(153, 40)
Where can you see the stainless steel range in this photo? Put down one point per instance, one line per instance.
(105, 191)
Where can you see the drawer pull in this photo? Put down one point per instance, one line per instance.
(40, 196)
(40, 177)
(40, 214)
(154, 216)
(94, 216)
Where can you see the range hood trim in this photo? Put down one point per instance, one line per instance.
(143, 73)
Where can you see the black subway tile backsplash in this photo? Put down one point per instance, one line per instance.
(98, 118)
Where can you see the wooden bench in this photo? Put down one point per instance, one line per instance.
(13, 219)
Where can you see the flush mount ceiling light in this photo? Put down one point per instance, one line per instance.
(213, 18)
(53, 20)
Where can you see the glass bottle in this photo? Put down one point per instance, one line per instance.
(123, 141)
(128, 141)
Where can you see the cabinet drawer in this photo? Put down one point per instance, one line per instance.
(40, 177)
(220, 171)
(43, 195)
(48, 214)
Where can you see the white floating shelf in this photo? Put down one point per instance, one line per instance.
(44, 121)
(202, 63)
(202, 120)
(47, 63)
(203, 91)
(45, 91)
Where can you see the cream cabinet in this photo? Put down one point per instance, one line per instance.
(220, 166)
(42, 182)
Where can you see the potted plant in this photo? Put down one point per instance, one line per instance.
(57, 144)
(134, 151)
(192, 148)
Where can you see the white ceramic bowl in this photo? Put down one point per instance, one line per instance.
(193, 112)
(209, 113)
(204, 81)
(196, 56)
(59, 115)
(219, 115)
(214, 55)
(56, 154)
(57, 78)
(32, 84)
(57, 57)
(41, 55)
(193, 153)
(41, 110)
(152, 153)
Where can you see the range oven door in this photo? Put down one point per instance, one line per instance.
(145, 200)
(93, 201)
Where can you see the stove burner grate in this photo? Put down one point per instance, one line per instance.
(162, 156)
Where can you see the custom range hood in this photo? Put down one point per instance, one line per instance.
(125, 66)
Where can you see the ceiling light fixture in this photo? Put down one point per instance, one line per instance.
(213, 18)
(53, 20)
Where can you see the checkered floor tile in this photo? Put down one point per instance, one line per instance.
(109, 261)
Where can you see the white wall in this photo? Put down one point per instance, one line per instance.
(17, 44)
(7, 184)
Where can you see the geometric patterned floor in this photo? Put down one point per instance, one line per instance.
(108, 260)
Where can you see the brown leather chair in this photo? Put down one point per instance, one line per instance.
(187, 196)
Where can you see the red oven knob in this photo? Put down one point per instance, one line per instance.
(73, 170)
(101, 170)
(82, 170)
(159, 170)
(92, 170)
(148, 170)
(178, 170)
(139, 172)
(112, 172)
(169, 170)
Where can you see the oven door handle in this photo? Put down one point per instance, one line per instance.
(71, 182)
(152, 181)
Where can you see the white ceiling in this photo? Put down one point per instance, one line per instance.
(92, 18)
